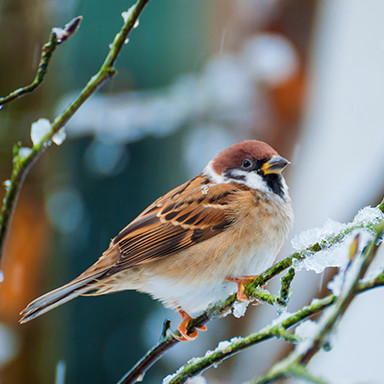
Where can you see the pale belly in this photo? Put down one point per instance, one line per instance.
(201, 284)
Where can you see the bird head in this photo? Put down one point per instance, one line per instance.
(252, 163)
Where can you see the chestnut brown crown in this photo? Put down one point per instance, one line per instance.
(233, 156)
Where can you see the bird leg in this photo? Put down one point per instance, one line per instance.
(185, 319)
(241, 283)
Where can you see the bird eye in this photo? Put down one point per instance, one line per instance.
(246, 164)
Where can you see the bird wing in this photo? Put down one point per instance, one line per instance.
(189, 214)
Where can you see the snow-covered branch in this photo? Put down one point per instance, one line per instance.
(294, 364)
(312, 257)
(279, 328)
(43, 132)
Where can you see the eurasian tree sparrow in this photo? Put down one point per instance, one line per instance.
(189, 246)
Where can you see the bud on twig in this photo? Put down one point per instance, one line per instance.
(70, 28)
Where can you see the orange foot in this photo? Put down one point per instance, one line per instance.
(185, 319)
(241, 283)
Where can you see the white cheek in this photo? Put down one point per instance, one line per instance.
(251, 180)
(255, 181)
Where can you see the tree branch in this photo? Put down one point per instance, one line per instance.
(22, 164)
(278, 329)
(300, 371)
(56, 37)
(286, 282)
(252, 290)
(294, 364)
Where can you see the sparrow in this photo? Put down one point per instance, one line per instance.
(190, 246)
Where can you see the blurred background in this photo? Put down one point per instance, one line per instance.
(196, 76)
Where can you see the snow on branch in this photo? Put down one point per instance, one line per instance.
(333, 238)
(294, 365)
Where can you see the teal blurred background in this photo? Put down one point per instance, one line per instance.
(195, 77)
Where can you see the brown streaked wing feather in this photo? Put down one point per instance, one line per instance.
(141, 220)
(191, 213)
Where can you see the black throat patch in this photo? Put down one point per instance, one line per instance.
(273, 181)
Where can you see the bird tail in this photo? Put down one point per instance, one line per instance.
(59, 296)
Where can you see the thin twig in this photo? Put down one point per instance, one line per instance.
(56, 37)
(252, 290)
(301, 372)
(286, 282)
(215, 357)
(344, 300)
(295, 363)
(21, 165)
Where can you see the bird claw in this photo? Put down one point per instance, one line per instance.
(241, 283)
(185, 336)
(182, 328)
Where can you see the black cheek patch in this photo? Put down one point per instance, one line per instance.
(229, 173)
